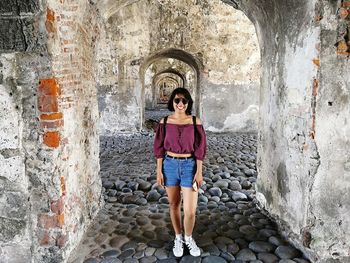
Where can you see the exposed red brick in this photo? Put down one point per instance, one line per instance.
(44, 237)
(52, 139)
(342, 48)
(68, 41)
(60, 219)
(52, 116)
(49, 87)
(48, 221)
(61, 240)
(50, 15)
(63, 185)
(48, 103)
(50, 28)
(50, 19)
(69, 50)
(315, 87)
(51, 124)
(316, 61)
(57, 206)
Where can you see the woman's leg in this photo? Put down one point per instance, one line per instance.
(174, 197)
(190, 198)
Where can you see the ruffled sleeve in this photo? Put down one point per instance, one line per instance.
(200, 144)
(158, 146)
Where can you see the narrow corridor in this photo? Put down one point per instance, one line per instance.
(134, 225)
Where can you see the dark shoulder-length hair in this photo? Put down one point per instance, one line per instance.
(186, 94)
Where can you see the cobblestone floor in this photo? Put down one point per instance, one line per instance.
(156, 114)
(134, 225)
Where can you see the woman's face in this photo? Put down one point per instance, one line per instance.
(180, 103)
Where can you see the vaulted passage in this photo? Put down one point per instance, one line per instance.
(83, 85)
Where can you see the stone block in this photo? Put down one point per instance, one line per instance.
(19, 34)
(13, 205)
(19, 7)
(10, 228)
(9, 115)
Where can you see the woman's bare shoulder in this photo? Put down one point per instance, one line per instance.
(162, 120)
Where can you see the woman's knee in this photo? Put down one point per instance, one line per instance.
(190, 214)
(174, 205)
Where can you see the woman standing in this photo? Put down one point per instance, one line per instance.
(180, 147)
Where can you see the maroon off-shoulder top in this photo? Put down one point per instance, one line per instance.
(179, 138)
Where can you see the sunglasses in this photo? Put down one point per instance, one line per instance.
(177, 100)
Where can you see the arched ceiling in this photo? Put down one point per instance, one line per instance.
(175, 54)
(172, 71)
(108, 8)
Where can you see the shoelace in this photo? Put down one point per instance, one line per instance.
(192, 244)
(178, 243)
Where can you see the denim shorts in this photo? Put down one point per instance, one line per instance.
(179, 172)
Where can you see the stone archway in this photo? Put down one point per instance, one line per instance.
(163, 86)
(167, 71)
(183, 56)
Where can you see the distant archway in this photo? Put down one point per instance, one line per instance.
(180, 55)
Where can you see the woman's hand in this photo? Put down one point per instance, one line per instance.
(160, 179)
(198, 177)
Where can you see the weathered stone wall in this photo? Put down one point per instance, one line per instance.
(24, 61)
(50, 188)
(330, 196)
(304, 132)
(72, 27)
(14, 208)
(221, 38)
(19, 27)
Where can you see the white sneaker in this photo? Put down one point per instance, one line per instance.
(193, 248)
(178, 248)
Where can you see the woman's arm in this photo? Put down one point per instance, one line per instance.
(159, 152)
(199, 152)
(198, 177)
